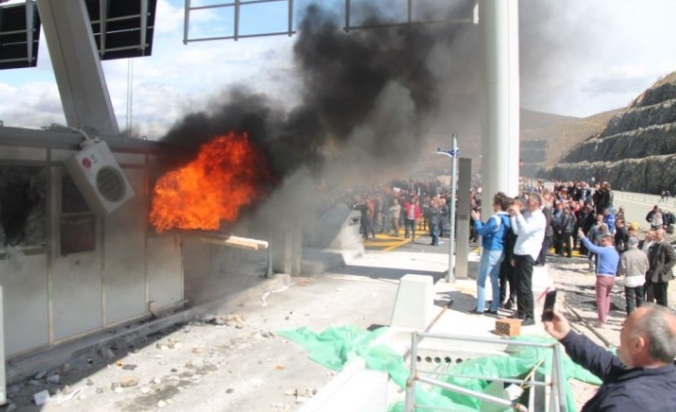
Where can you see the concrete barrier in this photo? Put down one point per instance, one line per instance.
(355, 389)
(414, 306)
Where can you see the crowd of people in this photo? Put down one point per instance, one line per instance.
(643, 373)
(412, 205)
(571, 217)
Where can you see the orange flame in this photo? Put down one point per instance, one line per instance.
(225, 176)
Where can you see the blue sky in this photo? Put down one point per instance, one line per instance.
(609, 51)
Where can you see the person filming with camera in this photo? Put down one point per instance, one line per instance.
(642, 376)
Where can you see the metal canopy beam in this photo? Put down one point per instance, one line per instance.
(79, 76)
(471, 18)
(236, 8)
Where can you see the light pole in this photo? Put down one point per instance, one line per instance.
(453, 154)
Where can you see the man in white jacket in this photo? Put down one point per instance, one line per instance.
(530, 228)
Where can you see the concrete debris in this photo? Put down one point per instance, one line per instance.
(128, 381)
(300, 399)
(106, 353)
(145, 390)
(161, 404)
(68, 395)
(234, 318)
(157, 381)
(55, 378)
(129, 367)
(118, 390)
(267, 334)
(229, 390)
(41, 397)
(256, 382)
(33, 382)
(11, 407)
(40, 375)
(90, 382)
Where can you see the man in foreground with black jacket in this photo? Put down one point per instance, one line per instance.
(642, 377)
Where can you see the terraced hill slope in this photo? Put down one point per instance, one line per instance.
(637, 149)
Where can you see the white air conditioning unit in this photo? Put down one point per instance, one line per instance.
(99, 177)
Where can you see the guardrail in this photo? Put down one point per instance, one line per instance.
(647, 199)
(557, 398)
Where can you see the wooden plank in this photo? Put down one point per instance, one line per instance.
(237, 242)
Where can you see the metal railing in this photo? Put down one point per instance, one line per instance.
(647, 199)
(557, 398)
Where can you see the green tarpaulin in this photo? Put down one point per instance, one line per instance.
(334, 347)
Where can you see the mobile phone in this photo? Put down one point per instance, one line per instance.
(548, 310)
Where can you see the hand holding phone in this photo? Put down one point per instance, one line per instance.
(548, 310)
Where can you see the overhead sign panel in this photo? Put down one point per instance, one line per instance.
(19, 35)
(122, 28)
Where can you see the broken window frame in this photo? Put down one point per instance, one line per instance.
(37, 248)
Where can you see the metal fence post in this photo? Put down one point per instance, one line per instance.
(410, 383)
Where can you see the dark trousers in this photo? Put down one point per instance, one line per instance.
(507, 277)
(434, 231)
(660, 290)
(542, 257)
(565, 244)
(634, 298)
(649, 288)
(409, 226)
(524, 273)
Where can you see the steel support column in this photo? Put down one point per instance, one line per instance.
(499, 22)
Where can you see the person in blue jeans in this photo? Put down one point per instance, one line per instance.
(493, 238)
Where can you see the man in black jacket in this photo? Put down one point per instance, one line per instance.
(662, 258)
(642, 377)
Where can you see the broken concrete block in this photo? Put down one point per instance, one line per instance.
(55, 378)
(128, 381)
(41, 397)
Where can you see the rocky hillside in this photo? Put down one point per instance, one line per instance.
(637, 149)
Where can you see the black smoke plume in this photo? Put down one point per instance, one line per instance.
(373, 89)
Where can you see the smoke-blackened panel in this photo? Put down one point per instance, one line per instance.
(23, 206)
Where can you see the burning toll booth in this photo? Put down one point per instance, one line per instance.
(70, 271)
(66, 270)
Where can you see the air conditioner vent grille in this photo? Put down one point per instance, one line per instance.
(111, 183)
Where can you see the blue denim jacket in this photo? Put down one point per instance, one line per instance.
(494, 232)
